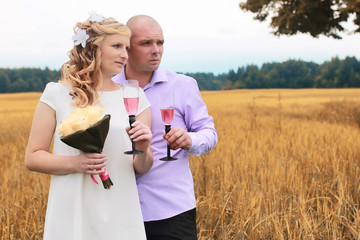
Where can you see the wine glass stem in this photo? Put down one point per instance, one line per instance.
(131, 121)
(167, 129)
(168, 151)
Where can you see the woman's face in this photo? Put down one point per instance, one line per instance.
(114, 54)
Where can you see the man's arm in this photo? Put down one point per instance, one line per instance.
(200, 136)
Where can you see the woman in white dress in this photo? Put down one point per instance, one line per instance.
(77, 207)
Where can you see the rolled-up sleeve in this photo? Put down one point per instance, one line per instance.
(200, 124)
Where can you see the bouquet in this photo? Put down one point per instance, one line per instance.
(86, 129)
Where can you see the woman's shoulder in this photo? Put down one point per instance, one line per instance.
(56, 85)
(53, 92)
(55, 88)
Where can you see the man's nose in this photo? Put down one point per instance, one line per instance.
(155, 48)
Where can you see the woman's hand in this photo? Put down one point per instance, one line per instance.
(90, 163)
(141, 134)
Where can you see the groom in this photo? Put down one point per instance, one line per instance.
(167, 191)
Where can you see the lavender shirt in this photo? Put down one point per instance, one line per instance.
(168, 188)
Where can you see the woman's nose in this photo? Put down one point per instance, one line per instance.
(124, 54)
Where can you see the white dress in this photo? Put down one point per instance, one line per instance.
(77, 207)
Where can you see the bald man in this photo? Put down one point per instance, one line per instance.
(167, 191)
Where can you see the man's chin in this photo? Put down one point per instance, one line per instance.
(154, 66)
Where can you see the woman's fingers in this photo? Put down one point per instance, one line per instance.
(140, 132)
(93, 163)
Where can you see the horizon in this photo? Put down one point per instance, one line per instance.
(234, 69)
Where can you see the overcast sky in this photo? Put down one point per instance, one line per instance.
(200, 35)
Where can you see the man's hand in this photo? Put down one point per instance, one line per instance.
(178, 138)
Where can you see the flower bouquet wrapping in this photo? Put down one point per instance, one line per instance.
(86, 129)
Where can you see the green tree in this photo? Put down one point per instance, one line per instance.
(316, 17)
(347, 73)
(206, 81)
(4, 83)
(233, 80)
(19, 86)
(253, 77)
(327, 77)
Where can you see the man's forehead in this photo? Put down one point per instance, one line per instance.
(149, 37)
(147, 30)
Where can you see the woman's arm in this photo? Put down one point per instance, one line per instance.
(39, 159)
(142, 136)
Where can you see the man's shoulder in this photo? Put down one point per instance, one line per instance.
(174, 76)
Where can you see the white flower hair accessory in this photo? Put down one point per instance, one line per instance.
(80, 37)
(95, 17)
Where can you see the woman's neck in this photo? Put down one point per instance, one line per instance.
(109, 85)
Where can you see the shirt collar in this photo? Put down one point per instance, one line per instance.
(159, 75)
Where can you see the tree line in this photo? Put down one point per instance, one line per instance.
(26, 79)
(335, 73)
(297, 74)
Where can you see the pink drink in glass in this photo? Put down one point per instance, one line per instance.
(131, 105)
(167, 116)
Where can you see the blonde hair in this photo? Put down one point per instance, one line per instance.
(82, 71)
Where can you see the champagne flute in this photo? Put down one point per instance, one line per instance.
(131, 101)
(167, 116)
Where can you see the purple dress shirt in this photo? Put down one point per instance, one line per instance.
(168, 188)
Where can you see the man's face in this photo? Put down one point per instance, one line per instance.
(146, 48)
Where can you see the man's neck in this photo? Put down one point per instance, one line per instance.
(143, 77)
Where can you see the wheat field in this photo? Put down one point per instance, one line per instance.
(287, 166)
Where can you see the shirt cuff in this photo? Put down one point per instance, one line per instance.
(197, 146)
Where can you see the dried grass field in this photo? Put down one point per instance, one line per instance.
(287, 166)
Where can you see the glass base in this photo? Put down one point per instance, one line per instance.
(168, 159)
(134, 152)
